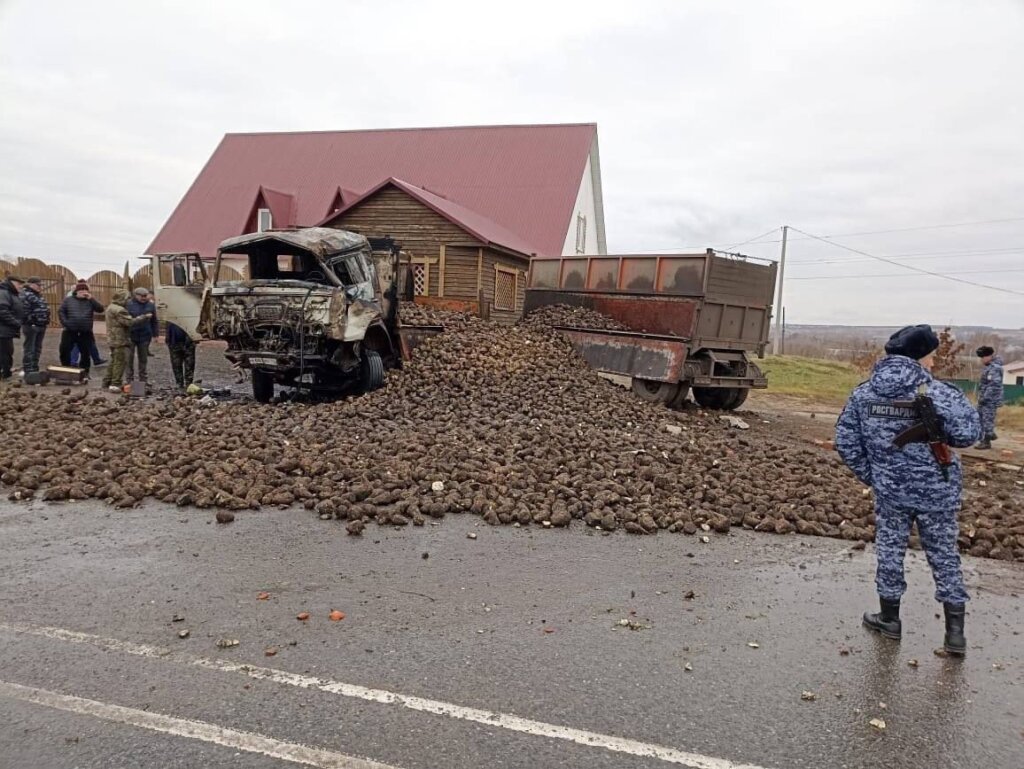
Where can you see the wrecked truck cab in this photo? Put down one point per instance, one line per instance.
(311, 312)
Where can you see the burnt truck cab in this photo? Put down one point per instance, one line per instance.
(316, 309)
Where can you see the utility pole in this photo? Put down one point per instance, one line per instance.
(777, 340)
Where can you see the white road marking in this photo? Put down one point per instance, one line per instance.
(437, 707)
(195, 730)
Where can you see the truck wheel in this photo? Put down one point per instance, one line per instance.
(372, 371)
(262, 386)
(739, 395)
(652, 391)
(712, 397)
(680, 400)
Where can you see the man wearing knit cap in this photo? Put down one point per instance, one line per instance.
(12, 314)
(77, 314)
(909, 483)
(990, 394)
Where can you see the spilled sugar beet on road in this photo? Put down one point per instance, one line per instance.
(501, 422)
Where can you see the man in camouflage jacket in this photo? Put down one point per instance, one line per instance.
(908, 483)
(119, 326)
(990, 394)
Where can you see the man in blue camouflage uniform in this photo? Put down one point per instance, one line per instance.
(909, 483)
(990, 394)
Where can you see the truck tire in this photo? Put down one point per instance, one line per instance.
(738, 397)
(713, 398)
(262, 386)
(652, 391)
(372, 371)
(679, 402)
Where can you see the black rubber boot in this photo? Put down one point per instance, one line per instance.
(993, 437)
(887, 621)
(955, 643)
(985, 444)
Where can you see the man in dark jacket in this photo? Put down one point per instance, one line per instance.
(12, 315)
(33, 329)
(990, 394)
(909, 484)
(183, 355)
(141, 335)
(77, 313)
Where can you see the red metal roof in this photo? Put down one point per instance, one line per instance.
(501, 182)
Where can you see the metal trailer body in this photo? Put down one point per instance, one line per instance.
(694, 320)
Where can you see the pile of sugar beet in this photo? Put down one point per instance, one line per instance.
(503, 422)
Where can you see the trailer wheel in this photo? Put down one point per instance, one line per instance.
(372, 371)
(714, 398)
(738, 397)
(680, 400)
(652, 391)
(262, 386)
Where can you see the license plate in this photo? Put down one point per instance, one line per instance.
(262, 361)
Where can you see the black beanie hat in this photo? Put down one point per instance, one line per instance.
(913, 342)
(984, 351)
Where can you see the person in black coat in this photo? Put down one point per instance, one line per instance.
(77, 314)
(12, 315)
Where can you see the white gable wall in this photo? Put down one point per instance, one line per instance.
(590, 204)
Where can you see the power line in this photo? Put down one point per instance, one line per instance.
(990, 253)
(911, 267)
(745, 242)
(827, 238)
(900, 275)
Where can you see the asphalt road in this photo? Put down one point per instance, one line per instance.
(503, 651)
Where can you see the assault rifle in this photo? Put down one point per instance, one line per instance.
(928, 429)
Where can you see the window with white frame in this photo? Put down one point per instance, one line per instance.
(264, 220)
(581, 233)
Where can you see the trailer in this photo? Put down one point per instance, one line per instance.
(694, 321)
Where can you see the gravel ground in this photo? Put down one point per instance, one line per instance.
(502, 422)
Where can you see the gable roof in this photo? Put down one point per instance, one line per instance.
(480, 227)
(521, 179)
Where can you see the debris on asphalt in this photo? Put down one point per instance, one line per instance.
(262, 596)
(753, 644)
(224, 516)
(227, 643)
(336, 616)
(913, 663)
(184, 633)
(519, 428)
(808, 696)
(302, 616)
(270, 651)
(471, 535)
(878, 723)
(177, 618)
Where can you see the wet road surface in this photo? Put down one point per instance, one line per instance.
(503, 651)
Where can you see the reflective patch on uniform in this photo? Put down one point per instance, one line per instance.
(891, 411)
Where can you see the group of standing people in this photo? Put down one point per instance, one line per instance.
(132, 325)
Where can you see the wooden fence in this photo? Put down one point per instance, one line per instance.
(59, 280)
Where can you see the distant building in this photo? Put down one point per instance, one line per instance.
(1013, 373)
(470, 205)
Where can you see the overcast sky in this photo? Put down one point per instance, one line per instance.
(717, 122)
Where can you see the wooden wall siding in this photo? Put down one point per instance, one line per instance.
(460, 278)
(419, 230)
(421, 233)
(491, 260)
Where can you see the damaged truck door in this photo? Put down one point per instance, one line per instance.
(179, 281)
